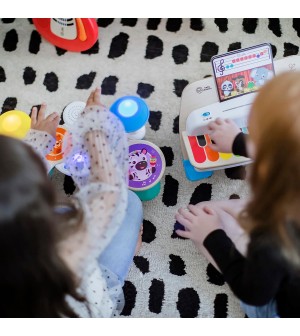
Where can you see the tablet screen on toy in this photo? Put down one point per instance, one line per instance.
(242, 71)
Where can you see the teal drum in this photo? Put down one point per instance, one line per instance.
(146, 168)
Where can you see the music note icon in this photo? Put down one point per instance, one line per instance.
(220, 67)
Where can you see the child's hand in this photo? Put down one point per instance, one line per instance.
(40, 123)
(198, 222)
(94, 98)
(222, 133)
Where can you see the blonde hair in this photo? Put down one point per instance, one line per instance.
(275, 176)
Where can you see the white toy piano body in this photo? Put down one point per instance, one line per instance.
(199, 105)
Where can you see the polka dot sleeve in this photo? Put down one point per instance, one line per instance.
(99, 140)
(42, 143)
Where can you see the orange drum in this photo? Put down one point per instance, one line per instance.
(56, 155)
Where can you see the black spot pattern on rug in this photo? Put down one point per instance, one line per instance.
(29, 75)
(92, 50)
(201, 193)
(188, 303)
(69, 185)
(209, 49)
(274, 26)
(30, 21)
(130, 298)
(118, 45)
(214, 276)
(11, 40)
(222, 24)
(290, 49)
(144, 90)
(156, 295)
(10, 103)
(149, 231)
(236, 173)
(250, 25)
(180, 54)
(170, 191)
(234, 196)
(104, 22)
(129, 22)
(168, 154)
(7, 20)
(177, 265)
(173, 25)
(179, 85)
(154, 47)
(221, 306)
(176, 125)
(196, 24)
(234, 46)
(60, 51)
(109, 85)
(2, 75)
(155, 120)
(296, 26)
(141, 263)
(35, 42)
(274, 50)
(152, 24)
(51, 81)
(85, 81)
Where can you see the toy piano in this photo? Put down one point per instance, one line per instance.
(228, 94)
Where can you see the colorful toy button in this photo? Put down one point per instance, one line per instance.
(134, 113)
(15, 123)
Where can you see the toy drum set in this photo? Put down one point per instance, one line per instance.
(146, 168)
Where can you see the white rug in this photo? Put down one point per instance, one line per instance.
(154, 59)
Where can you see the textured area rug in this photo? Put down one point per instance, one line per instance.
(154, 59)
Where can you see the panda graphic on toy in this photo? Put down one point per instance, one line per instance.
(227, 87)
(141, 165)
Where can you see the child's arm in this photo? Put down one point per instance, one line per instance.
(227, 137)
(100, 136)
(41, 136)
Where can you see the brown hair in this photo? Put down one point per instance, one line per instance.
(274, 125)
(34, 280)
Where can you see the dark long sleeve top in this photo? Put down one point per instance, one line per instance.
(264, 274)
(239, 145)
(261, 276)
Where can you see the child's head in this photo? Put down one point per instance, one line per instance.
(34, 280)
(274, 127)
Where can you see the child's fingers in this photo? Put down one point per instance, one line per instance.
(41, 114)
(33, 115)
(97, 96)
(184, 234)
(186, 214)
(183, 221)
(52, 116)
(209, 210)
(213, 147)
(90, 100)
(219, 121)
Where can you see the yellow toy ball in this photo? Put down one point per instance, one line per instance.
(15, 123)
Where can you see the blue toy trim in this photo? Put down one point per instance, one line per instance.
(192, 174)
(136, 120)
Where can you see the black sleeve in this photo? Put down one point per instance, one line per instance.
(239, 145)
(254, 280)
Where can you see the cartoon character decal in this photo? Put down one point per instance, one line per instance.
(239, 82)
(260, 76)
(227, 87)
(141, 165)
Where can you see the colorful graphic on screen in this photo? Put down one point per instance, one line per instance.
(242, 71)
